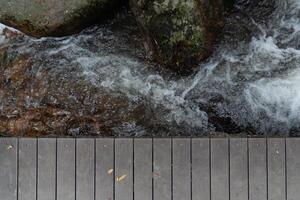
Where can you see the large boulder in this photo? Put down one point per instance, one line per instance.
(54, 17)
(179, 33)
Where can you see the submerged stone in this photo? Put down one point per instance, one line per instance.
(54, 18)
(179, 33)
(35, 103)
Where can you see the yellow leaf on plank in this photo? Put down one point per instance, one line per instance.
(120, 178)
(110, 171)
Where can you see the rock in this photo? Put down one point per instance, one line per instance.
(93, 83)
(36, 102)
(241, 23)
(179, 33)
(56, 17)
(43, 94)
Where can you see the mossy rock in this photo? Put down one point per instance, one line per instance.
(55, 17)
(179, 33)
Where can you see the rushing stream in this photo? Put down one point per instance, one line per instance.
(251, 84)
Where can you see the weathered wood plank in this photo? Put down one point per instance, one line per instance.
(8, 168)
(219, 169)
(276, 169)
(105, 169)
(238, 169)
(293, 168)
(65, 169)
(27, 168)
(143, 169)
(85, 169)
(181, 169)
(162, 169)
(200, 169)
(135, 170)
(124, 169)
(257, 169)
(46, 169)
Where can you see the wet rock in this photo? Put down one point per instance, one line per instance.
(54, 18)
(244, 20)
(36, 102)
(259, 10)
(180, 33)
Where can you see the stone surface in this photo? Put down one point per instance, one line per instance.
(29, 107)
(179, 33)
(35, 101)
(54, 17)
(44, 92)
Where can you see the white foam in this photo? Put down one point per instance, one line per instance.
(155, 89)
(65, 47)
(297, 3)
(265, 54)
(279, 97)
(2, 38)
(2, 27)
(200, 76)
(267, 46)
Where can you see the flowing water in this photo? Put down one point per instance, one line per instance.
(251, 85)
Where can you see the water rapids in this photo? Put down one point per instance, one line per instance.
(251, 85)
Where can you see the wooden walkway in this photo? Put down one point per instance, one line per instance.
(149, 169)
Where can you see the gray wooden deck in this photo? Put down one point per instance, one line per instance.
(149, 169)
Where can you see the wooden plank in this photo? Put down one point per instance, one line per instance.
(293, 168)
(65, 169)
(124, 169)
(219, 169)
(85, 163)
(181, 169)
(276, 169)
(27, 168)
(105, 169)
(143, 169)
(270, 177)
(238, 169)
(257, 169)
(162, 169)
(8, 168)
(46, 169)
(200, 169)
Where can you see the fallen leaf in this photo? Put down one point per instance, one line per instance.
(120, 178)
(110, 171)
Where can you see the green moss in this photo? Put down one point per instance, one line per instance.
(175, 28)
(176, 37)
(181, 31)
